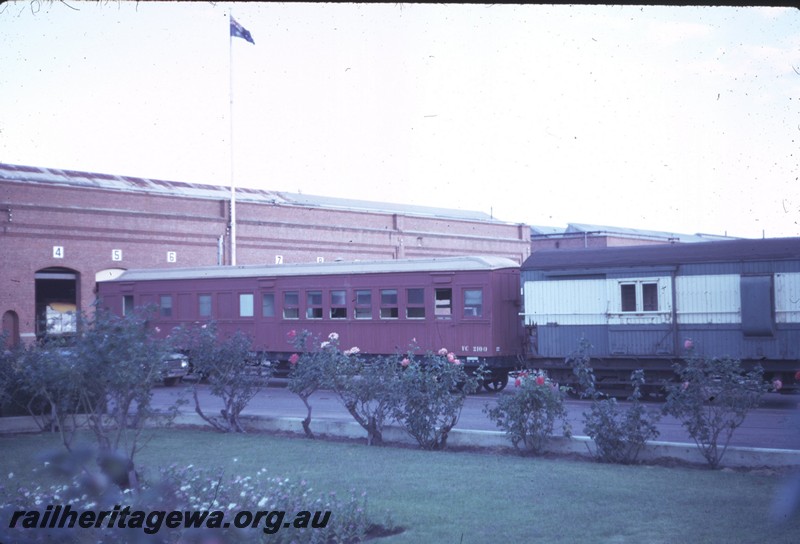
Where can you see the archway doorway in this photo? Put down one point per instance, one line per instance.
(56, 302)
(11, 329)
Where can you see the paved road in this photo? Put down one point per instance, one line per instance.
(776, 424)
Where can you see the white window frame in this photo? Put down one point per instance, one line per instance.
(639, 294)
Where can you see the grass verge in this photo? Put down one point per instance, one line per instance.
(483, 497)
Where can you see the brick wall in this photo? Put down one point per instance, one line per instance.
(96, 225)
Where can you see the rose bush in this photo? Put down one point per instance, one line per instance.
(311, 368)
(430, 394)
(368, 389)
(226, 364)
(712, 399)
(101, 380)
(528, 413)
(618, 434)
(424, 395)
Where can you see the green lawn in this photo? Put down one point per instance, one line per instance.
(481, 497)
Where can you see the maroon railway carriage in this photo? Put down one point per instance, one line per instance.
(468, 305)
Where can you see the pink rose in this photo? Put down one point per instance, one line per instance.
(405, 362)
(443, 352)
(290, 336)
(777, 385)
(293, 358)
(688, 344)
(540, 380)
(451, 357)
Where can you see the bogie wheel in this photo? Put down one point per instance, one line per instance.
(496, 384)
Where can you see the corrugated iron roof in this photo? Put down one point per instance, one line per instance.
(642, 233)
(762, 249)
(444, 264)
(578, 229)
(31, 174)
(538, 230)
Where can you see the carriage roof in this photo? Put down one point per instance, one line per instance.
(443, 264)
(727, 251)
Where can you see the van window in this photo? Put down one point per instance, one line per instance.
(473, 302)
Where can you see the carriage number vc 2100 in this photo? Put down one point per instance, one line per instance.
(475, 349)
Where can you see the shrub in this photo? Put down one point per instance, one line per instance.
(712, 399)
(11, 402)
(368, 390)
(619, 435)
(44, 379)
(102, 380)
(425, 397)
(431, 393)
(529, 413)
(120, 361)
(312, 368)
(226, 364)
(581, 364)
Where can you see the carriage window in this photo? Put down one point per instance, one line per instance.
(389, 304)
(127, 304)
(444, 303)
(415, 303)
(291, 305)
(650, 297)
(338, 304)
(363, 304)
(204, 305)
(268, 304)
(245, 304)
(628, 293)
(473, 302)
(639, 297)
(314, 304)
(166, 305)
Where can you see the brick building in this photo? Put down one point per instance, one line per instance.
(583, 236)
(64, 230)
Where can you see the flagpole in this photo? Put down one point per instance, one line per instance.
(230, 115)
(236, 30)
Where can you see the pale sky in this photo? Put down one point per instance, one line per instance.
(682, 119)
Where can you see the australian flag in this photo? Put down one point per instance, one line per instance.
(239, 31)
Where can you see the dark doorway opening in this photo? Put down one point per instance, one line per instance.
(56, 302)
(11, 329)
